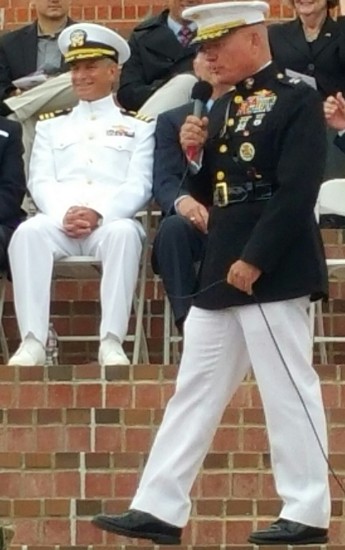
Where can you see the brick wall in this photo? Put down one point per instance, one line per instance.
(119, 14)
(74, 441)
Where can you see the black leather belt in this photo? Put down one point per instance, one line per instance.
(249, 191)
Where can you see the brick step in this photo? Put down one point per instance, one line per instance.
(74, 440)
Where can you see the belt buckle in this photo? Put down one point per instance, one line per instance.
(221, 194)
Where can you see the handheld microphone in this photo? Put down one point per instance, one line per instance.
(201, 93)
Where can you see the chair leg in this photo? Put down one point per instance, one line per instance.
(140, 348)
(140, 343)
(167, 328)
(3, 339)
(321, 332)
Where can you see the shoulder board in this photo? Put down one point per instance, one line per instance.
(54, 114)
(138, 116)
(288, 80)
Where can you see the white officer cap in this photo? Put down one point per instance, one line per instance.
(89, 41)
(215, 20)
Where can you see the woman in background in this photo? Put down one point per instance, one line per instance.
(314, 44)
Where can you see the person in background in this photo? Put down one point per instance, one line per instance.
(154, 78)
(90, 173)
(12, 184)
(180, 240)
(313, 44)
(264, 260)
(334, 109)
(33, 49)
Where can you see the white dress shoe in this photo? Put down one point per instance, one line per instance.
(29, 354)
(111, 353)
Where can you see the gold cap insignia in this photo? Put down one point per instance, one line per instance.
(78, 38)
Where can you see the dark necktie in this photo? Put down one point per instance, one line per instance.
(185, 35)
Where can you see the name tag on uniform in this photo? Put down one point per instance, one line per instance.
(120, 131)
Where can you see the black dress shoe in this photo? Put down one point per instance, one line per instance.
(139, 525)
(284, 531)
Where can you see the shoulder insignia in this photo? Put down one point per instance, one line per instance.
(53, 114)
(138, 116)
(288, 80)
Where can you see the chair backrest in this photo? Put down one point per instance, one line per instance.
(331, 199)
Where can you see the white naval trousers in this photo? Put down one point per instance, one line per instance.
(219, 348)
(39, 241)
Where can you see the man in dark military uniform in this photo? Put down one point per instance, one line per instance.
(263, 152)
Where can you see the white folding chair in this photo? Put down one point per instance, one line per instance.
(3, 340)
(140, 349)
(331, 200)
(172, 339)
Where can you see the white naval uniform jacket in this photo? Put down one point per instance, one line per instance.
(95, 156)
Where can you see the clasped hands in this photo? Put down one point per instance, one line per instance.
(80, 221)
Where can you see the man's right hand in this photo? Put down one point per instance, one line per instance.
(193, 134)
(334, 109)
(194, 211)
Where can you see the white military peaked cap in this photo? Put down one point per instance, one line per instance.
(88, 41)
(215, 20)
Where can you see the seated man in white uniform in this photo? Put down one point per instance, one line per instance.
(90, 173)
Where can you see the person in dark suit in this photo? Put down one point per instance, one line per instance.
(33, 47)
(179, 243)
(12, 183)
(158, 54)
(334, 109)
(30, 49)
(313, 44)
(264, 260)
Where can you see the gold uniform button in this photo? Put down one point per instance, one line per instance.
(223, 148)
(91, 136)
(238, 99)
(89, 182)
(93, 117)
(231, 122)
(280, 76)
(220, 175)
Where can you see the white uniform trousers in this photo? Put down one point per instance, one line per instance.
(39, 241)
(176, 92)
(56, 93)
(219, 347)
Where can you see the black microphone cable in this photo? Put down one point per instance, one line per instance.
(310, 420)
(288, 372)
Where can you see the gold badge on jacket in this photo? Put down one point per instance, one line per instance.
(247, 151)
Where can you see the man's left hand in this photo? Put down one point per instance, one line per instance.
(243, 275)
